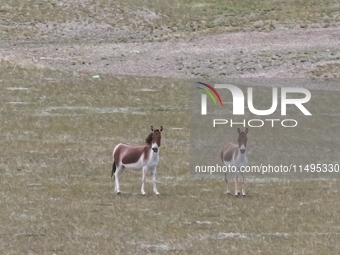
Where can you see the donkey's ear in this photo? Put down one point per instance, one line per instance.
(152, 128)
(238, 130)
(161, 128)
(247, 130)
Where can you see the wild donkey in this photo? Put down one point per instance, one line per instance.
(138, 158)
(235, 156)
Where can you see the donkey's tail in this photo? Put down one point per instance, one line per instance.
(113, 169)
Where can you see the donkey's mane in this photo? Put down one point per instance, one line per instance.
(148, 140)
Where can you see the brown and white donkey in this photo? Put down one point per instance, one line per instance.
(138, 158)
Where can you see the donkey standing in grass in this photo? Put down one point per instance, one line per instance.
(138, 158)
(235, 156)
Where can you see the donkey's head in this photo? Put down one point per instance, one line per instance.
(154, 138)
(242, 140)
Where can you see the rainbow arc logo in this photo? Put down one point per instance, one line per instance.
(204, 97)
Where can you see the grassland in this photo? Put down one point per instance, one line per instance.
(59, 126)
(57, 197)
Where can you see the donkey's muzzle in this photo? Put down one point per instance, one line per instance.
(242, 151)
(155, 150)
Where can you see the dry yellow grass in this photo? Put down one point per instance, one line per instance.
(56, 195)
(330, 70)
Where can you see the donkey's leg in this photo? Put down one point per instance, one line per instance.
(154, 181)
(144, 171)
(226, 180)
(117, 176)
(240, 183)
(236, 183)
(243, 185)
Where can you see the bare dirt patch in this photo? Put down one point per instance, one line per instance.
(285, 53)
(205, 40)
